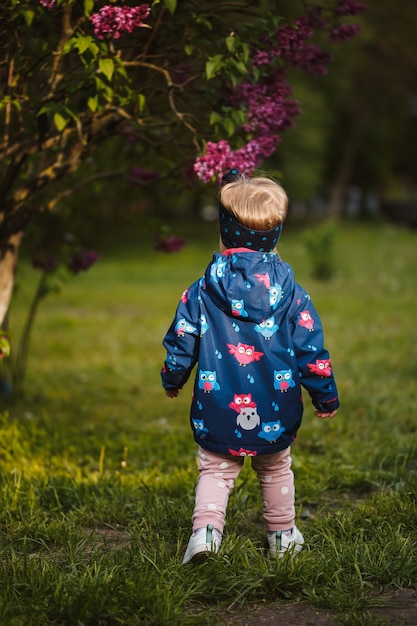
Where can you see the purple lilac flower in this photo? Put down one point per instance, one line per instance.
(294, 37)
(214, 161)
(316, 18)
(349, 7)
(82, 261)
(343, 32)
(312, 59)
(265, 57)
(116, 21)
(48, 4)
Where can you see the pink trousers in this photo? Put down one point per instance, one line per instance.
(217, 475)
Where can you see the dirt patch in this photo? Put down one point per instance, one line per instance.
(396, 609)
(399, 608)
(106, 538)
(299, 614)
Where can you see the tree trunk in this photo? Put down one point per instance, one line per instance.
(344, 173)
(8, 262)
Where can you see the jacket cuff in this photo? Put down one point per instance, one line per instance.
(327, 407)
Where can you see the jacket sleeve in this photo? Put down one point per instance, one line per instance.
(182, 343)
(314, 364)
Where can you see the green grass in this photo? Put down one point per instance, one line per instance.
(98, 467)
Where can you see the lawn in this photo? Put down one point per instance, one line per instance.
(98, 467)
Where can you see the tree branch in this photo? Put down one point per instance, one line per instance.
(171, 86)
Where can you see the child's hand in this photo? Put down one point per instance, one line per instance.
(172, 393)
(323, 415)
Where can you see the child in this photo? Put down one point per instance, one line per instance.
(256, 338)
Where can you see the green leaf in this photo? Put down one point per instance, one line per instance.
(28, 14)
(45, 109)
(88, 7)
(60, 121)
(83, 43)
(188, 50)
(215, 118)
(229, 126)
(246, 50)
(171, 5)
(107, 67)
(240, 66)
(239, 117)
(206, 22)
(92, 103)
(214, 65)
(231, 43)
(141, 102)
(68, 46)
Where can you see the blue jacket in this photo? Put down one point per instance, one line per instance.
(256, 337)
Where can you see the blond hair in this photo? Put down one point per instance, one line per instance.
(258, 203)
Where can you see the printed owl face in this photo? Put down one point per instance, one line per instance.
(248, 418)
(271, 431)
(275, 295)
(306, 320)
(218, 270)
(238, 308)
(283, 380)
(241, 401)
(244, 353)
(322, 367)
(267, 328)
(242, 452)
(207, 380)
(183, 327)
(200, 427)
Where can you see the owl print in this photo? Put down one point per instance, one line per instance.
(203, 325)
(306, 321)
(199, 428)
(271, 431)
(238, 308)
(264, 279)
(248, 418)
(207, 381)
(244, 354)
(267, 328)
(242, 452)
(241, 401)
(283, 380)
(217, 270)
(321, 367)
(275, 295)
(183, 327)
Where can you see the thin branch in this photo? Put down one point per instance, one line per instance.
(171, 87)
(9, 103)
(86, 181)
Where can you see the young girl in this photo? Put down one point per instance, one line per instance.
(256, 338)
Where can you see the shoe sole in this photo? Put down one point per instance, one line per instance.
(199, 556)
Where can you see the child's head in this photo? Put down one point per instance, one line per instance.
(252, 211)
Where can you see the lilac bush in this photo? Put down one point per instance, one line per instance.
(265, 95)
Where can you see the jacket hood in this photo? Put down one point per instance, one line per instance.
(264, 277)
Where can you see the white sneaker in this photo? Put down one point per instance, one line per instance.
(202, 541)
(281, 542)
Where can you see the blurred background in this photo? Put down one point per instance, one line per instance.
(352, 152)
